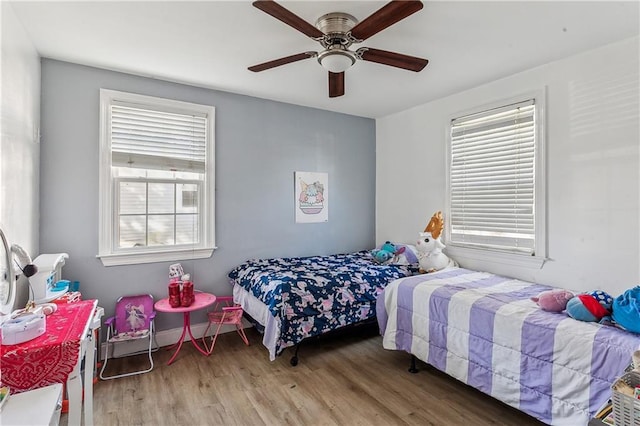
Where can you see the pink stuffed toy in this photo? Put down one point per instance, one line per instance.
(553, 300)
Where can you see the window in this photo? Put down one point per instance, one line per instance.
(156, 179)
(496, 186)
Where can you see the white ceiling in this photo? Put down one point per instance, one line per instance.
(211, 44)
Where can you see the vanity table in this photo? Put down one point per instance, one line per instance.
(56, 357)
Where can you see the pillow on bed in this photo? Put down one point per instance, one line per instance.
(409, 255)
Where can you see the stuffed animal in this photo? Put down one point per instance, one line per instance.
(553, 300)
(603, 298)
(590, 307)
(387, 252)
(626, 310)
(430, 255)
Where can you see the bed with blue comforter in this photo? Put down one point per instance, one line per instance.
(484, 330)
(297, 298)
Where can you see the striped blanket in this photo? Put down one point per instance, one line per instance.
(483, 330)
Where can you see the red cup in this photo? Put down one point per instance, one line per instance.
(187, 296)
(174, 294)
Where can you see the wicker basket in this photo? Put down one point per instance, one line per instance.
(626, 409)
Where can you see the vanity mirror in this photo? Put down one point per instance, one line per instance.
(7, 277)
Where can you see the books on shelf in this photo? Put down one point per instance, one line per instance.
(605, 414)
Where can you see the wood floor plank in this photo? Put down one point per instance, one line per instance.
(344, 380)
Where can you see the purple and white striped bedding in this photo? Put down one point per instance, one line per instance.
(483, 330)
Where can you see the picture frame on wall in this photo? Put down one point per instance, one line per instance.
(311, 197)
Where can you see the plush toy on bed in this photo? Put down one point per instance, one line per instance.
(626, 310)
(590, 307)
(386, 252)
(430, 255)
(399, 254)
(553, 300)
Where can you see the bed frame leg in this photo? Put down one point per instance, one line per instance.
(294, 358)
(413, 369)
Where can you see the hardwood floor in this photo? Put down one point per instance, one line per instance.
(343, 380)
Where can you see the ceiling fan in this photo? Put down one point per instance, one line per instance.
(336, 32)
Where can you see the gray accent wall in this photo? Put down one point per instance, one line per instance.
(259, 144)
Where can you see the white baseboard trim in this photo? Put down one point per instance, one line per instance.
(165, 338)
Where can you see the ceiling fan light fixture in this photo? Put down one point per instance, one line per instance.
(337, 32)
(336, 60)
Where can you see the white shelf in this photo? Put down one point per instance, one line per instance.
(37, 407)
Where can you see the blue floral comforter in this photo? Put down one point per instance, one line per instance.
(313, 295)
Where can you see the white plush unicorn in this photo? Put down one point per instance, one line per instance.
(429, 247)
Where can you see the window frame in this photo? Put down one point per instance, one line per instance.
(494, 255)
(175, 214)
(108, 250)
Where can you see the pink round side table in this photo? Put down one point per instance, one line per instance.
(201, 301)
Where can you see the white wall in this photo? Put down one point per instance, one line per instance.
(593, 163)
(19, 124)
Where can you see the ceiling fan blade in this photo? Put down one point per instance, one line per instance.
(336, 84)
(384, 17)
(279, 12)
(393, 59)
(282, 61)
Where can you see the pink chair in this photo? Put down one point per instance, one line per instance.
(225, 312)
(132, 321)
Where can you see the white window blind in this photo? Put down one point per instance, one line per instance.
(154, 139)
(492, 178)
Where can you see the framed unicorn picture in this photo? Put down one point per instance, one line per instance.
(311, 192)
